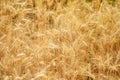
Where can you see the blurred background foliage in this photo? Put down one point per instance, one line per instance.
(53, 4)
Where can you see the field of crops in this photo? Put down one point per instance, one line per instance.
(59, 39)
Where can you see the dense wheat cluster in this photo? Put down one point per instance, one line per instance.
(59, 40)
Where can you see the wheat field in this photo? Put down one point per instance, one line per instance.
(59, 39)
